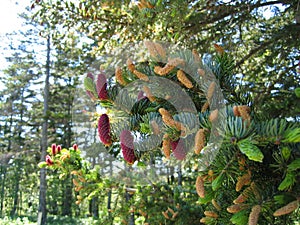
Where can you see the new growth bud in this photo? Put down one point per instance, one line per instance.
(101, 87)
(127, 146)
(104, 130)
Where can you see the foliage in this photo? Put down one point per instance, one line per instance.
(264, 33)
(253, 174)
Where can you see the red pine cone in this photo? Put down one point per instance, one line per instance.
(75, 147)
(104, 130)
(53, 148)
(58, 149)
(90, 94)
(49, 161)
(178, 149)
(127, 147)
(101, 87)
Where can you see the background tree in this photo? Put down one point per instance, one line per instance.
(256, 32)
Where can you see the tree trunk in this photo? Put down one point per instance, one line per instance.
(42, 211)
(16, 191)
(131, 216)
(95, 207)
(67, 202)
(3, 178)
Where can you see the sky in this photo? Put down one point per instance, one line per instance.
(9, 21)
(9, 10)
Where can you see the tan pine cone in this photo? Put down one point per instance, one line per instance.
(244, 112)
(200, 187)
(141, 75)
(164, 112)
(162, 71)
(75, 182)
(211, 214)
(205, 106)
(216, 204)
(242, 197)
(211, 90)
(78, 188)
(242, 181)
(213, 116)
(166, 146)
(236, 208)
(174, 215)
(148, 93)
(165, 214)
(119, 76)
(184, 80)
(292, 206)
(236, 111)
(199, 141)
(205, 220)
(172, 63)
(254, 215)
(130, 65)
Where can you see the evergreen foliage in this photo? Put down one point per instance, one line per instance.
(253, 176)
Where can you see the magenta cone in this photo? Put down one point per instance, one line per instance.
(104, 130)
(101, 87)
(178, 149)
(127, 146)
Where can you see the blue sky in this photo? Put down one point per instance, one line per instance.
(8, 14)
(10, 22)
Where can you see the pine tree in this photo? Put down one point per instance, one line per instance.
(247, 152)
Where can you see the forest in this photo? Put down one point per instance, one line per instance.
(151, 112)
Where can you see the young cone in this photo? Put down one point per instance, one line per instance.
(130, 65)
(101, 87)
(205, 106)
(126, 140)
(200, 187)
(292, 206)
(210, 91)
(104, 130)
(242, 181)
(178, 149)
(211, 214)
(184, 80)
(166, 146)
(119, 76)
(148, 93)
(236, 208)
(213, 116)
(253, 217)
(216, 204)
(140, 75)
(199, 141)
